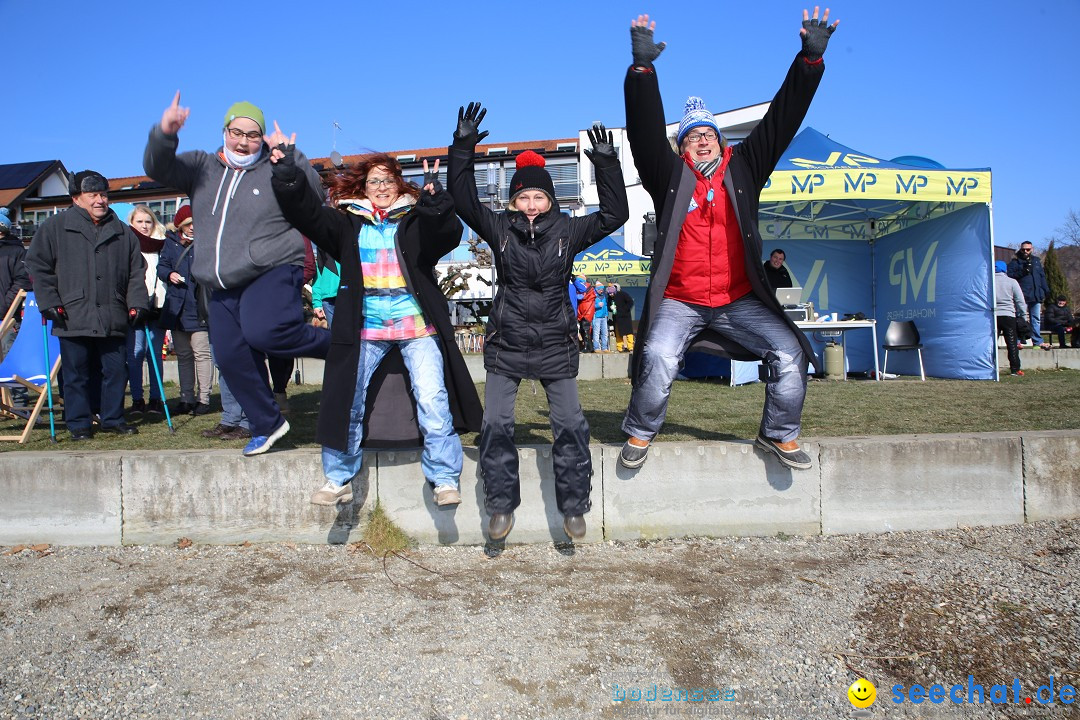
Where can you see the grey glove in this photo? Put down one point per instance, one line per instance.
(643, 47)
(603, 143)
(817, 37)
(468, 123)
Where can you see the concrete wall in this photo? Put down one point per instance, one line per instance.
(870, 484)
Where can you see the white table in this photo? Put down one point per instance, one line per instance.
(842, 326)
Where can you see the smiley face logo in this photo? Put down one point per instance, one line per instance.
(862, 693)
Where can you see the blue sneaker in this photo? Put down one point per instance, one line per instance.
(261, 443)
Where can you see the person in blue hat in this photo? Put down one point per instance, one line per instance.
(708, 291)
(1008, 308)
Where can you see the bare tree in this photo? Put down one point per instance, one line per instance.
(1069, 232)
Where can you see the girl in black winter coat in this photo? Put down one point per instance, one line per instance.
(532, 330)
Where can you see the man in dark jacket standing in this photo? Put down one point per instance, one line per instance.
(775, 273)
(13, 275)
(708, 289)
(1027, 269)
(89, 278)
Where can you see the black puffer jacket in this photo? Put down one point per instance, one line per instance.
(532, 331)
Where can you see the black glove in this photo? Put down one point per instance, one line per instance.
(432, 178)
(468, 122)
(285, 168)
(56, 314)
(603, 143)
(816, 38)
(137, 317)
(643, 47)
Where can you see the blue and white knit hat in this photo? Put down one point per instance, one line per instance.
(695, 115)
(5, 221)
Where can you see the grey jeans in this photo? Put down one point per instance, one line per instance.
(747, 321)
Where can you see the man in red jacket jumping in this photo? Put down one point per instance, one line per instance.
(708, 289)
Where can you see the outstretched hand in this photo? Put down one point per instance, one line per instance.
(603, 143)
(431, 178)
(641, 42)
(174, 116)
(279, 144)
(468, 123)
(815, 35)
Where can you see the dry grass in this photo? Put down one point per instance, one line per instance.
(382, 536)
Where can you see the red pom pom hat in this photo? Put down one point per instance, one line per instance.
(531, 175)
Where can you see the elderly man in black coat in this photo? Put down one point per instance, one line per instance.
(89, 279)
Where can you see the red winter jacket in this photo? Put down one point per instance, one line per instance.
(586, 309)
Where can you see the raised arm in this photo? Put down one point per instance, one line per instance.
(646, 127)
(324, 226)
(614, 209)
(768, 140)
(461, 172)
(440, 228)
(159, 158)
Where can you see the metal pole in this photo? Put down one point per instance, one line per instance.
(48, 377)
(154, 371)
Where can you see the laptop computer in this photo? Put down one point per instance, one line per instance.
(789, 297)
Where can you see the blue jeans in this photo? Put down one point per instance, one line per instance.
(137, 353)
(599, 333)
(1035, 319)
(442, 458)
(748, 322)
(232, 415)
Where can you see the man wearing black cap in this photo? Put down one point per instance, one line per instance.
(89, 280)
(1059, 320)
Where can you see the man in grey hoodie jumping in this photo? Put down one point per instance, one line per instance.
(247, 253)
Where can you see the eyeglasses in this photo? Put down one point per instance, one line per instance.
(707, 136)
(237, 133)
(377, 182)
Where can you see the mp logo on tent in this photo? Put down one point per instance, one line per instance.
(903, 273)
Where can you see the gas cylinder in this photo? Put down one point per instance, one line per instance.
(834, 362)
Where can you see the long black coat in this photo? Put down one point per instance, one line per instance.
(532, 330)
(424, 236)
(94, 270)
(624, 316)
(670, 182)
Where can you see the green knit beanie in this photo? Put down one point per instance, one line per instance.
(245, 109)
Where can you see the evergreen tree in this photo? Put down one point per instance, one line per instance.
(1055, 277)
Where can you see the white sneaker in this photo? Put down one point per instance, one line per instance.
(331, 494)
(447, 495)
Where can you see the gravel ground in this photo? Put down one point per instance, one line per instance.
(781, 625)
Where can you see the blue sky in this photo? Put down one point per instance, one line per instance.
(970, 84)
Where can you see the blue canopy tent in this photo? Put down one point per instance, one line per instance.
(893, 240)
